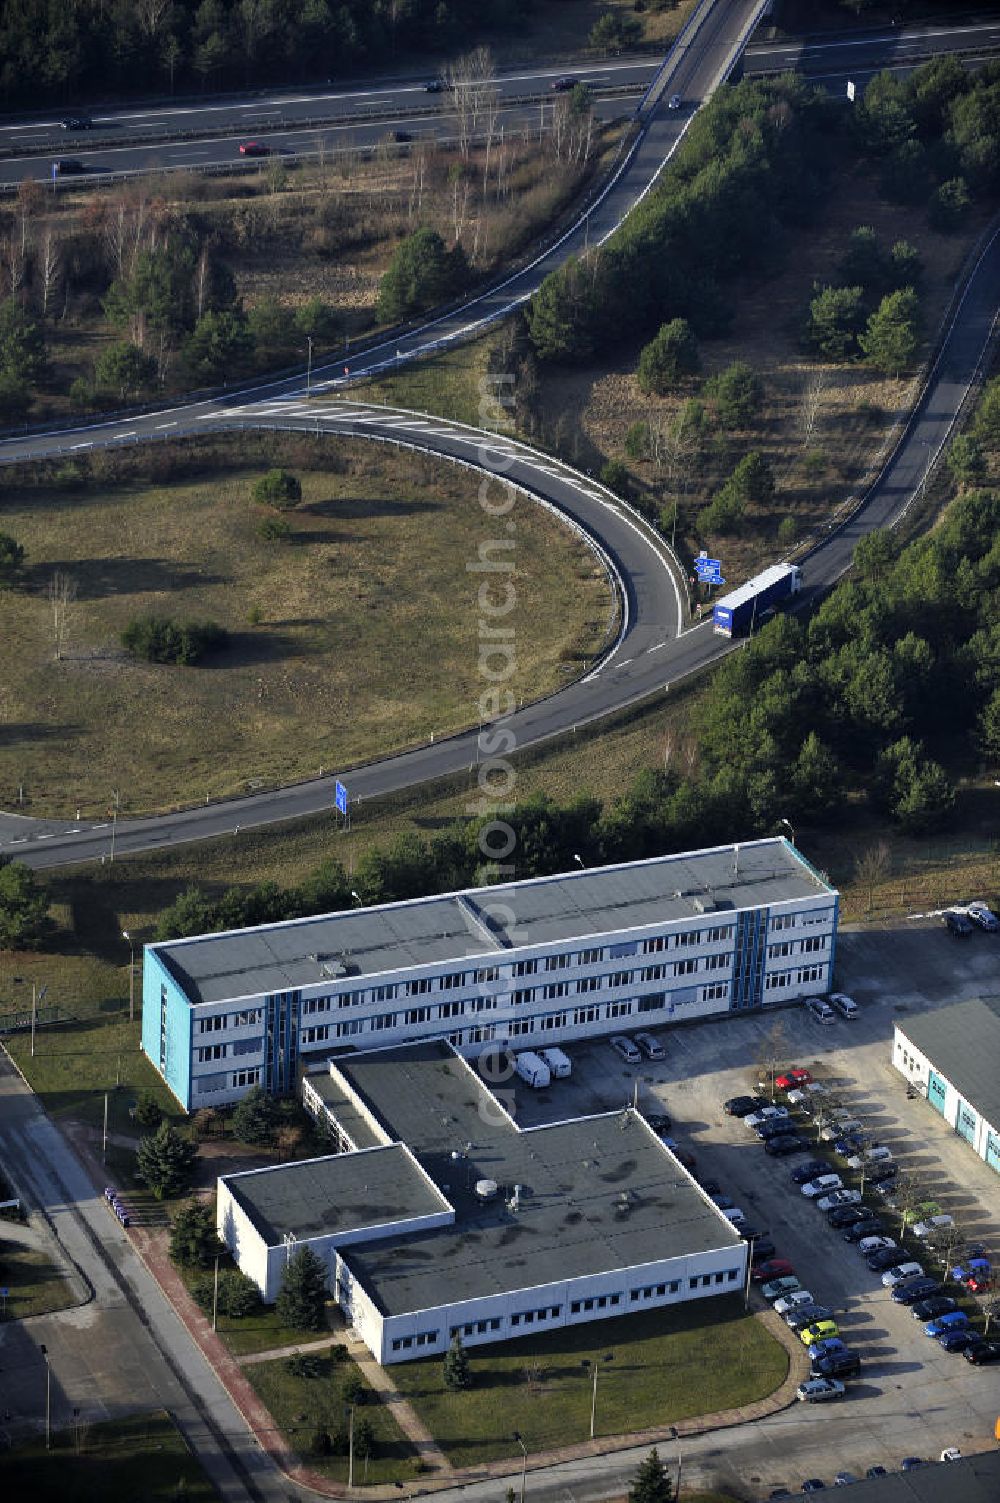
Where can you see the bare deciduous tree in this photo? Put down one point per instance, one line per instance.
(470, 78)
(812, 400)
(48, 269)
(62, 593)
(870, 868)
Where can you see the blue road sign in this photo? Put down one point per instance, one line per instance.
(707, 565)
(341, 795)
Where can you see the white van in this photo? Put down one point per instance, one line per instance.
(846, 1006)
(820, 1010)
(560, 1065)
(532, 1069)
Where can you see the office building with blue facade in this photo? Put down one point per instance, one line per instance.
(529, 964)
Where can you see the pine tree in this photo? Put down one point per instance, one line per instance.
(456, 1373)
(301, 1303)
(164, 1161)
(891, 338)
(194, 1241)
(651, 1485)
(255, 1117)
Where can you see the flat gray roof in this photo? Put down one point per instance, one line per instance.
(974, 1479)
(457, 927)
(332, 1094)
(319, 1197)
(963, 1043)
(597, 1193)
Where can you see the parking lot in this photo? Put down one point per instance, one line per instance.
(912, 1396)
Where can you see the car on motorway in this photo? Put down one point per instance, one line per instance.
(845, 1217)
(958, 1341)
(796, 1076)
(868, 1226)
(67, 167)
(806, 1315)
(818, 1331)
(898, 1273)
(932, 1226)
(773, 1289)
(981, 1352)
(952, 1320)
(842, 1364)
(873, 1242)
(77, 122)
(816, 1390)
(910, 1290)
(650, 1046)
(623, 1046)
(436, 86)
(804, 1172)
(794, 1301)
(767, 1114)
(567, 81)
(254, 149)
(771, 1268)
(674, 102)
(958, 924)
(742, 1106)
(983, 917)
(823, 1184)
(932, 1307)
(838, 1198)
(783, 1144)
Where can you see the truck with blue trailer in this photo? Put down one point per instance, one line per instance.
(741, 611)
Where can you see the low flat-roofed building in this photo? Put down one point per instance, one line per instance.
(545, 1227)
(951, 1055)
(530, 963)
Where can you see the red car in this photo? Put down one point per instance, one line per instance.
(772, 1268)
(254, 149)
(792, 1079)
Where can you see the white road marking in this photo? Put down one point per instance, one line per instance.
(166, 425)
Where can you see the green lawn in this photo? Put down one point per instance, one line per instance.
(301, 1406)
(34, 1285)
(259, 1332)
(139, 1460)
(76, 1063)
(668, 1365)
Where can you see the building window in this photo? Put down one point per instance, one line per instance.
(589, 984)
(653, 1002)
(212, 1051)
(685, 967)
(483, 1004)
(525, 967)
(556, 962)
(490, 973)
(590, 957)
(521, 996)
(450, 983)
(554, 989)
(619, 978)
(784, 921)
(382, 1020)
(318, 1034)
(655, 945)
(720, 936)
(619, 1009)
(811, 973)
(586, 1015)
(384, 993)
(246, 1078)
(521, 1026)
(717, 962)
(778, 979)
(482, 1034)
(654, 973)
(775, 952)
(814, 943)
(246, 1046)
(345, 1029)
(249, 1019)
(451, 1009)
(691, 937)
(314, 1004)
(717, 992)
(211, 1025)
(417, 1015)
(209, 1083)
(417, 987)
(554, 1020)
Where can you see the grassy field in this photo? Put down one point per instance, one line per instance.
(314, 675)
(667, 1366)
(301, 1406)
(143, 1459)
(34, 1285)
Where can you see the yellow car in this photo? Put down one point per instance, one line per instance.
(819, 1331)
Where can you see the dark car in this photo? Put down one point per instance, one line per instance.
(437, 86)
(724, 1202)
(66, 166)
(849, 1216)
(77, 122)
(882, 1258)
(742, 1106)
(813, 1485)
(933, 1306)
(806, 1315)
(763, 1246)
(659, 1121)
(845, 1364)
(254, 149)
(774, 1127)
(910, 1463)
(847, 1147)
(881, 1174)
(958, 1341)
(876, 1471)
(783, 1144)
(869, 1226)
(750, 1233)
(981, 1352)
(912, 1290)
(560, 85)
(959, 924)
(805, 1172)
(400, 137)
(710, 1186)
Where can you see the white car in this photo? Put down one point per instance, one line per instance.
(839, 1127)
(651, 1047)
(811, 1091)
(766, 1114)
(873, 1244)
(624, 1046)
(951, 1453)
(901, 1273)
(932, 1225)
(792, 1301)
(822, 1186)
(869, 1157)
(816, 1389)
(839, 1198)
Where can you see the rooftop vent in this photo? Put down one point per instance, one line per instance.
(486, 1189)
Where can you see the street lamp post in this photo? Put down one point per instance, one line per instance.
(580, 862)
(48, 1398)
(524, 1462)
(131, 975)
(789, 827)
(309, 364)
(215, 1296)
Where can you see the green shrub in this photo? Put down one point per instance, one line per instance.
(637, 441)
(616, 477)
(274, 529)
(278, 488)
(160, 639)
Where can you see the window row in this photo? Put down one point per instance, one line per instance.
(422, 1338)
(250, 1018)
(809, 946)
(778, 980)
(208, 1085)
(719, 934)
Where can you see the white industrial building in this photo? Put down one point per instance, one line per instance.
(531, 963)
(443, 1216)
(952, 1056)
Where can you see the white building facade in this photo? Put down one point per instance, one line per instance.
(951, 1057)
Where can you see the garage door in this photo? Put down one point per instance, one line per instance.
(966, 1122)
(936, 1089)
(993, 1151)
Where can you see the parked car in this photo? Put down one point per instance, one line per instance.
(826, 1347)
(933, 1225)
(724, 1202)
(254, 149)
(793, 1301)
(971, 1267)
(771, 1268)
(561, 85)
(815, 1390)
(844, 1479)
(983, 917)
(952, 1320)
(813, 1485)
(910, 1463)
(979, 1283)
(958, 924)
(773, 1289)
(837, 1127)
(883, 1174)
(818, 1331)
(838, 1198)
(650, 1046)
(774, 1127)
(873, 1242)
(819, 1010)
(933, 1306)
(742, 1106)
(958, 1341)
(981, 1352)
(950, 1453)
(785, 1143)
(842, 1364)
(660, 1123)
(848, 1216)
(847, 1146)
(868, 1157)
(804, 1172)
(898, 1273)
(910, 1290)
(876, 1471)
(624, 1046)
(822, 1185)
(796, 1076)
(436, 86)
(845, 1005)
(868, 1226)
(806, 1315)
(885, 1257)
(763, 1246)
(766, 1114)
